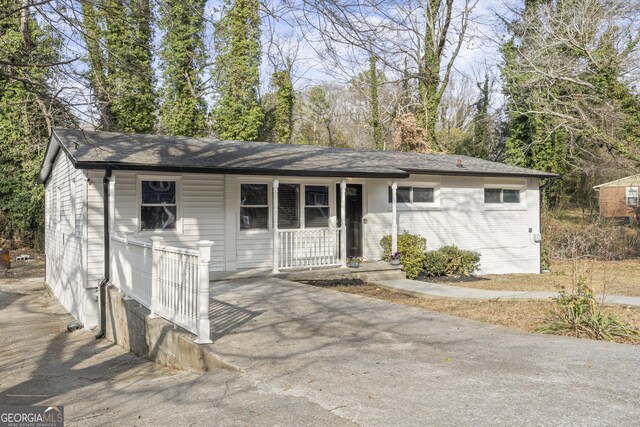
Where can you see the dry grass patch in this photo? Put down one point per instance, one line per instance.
(527, 316)
(612, 277)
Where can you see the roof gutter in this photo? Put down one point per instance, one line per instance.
(237, 171)
(402, 173)
(102, 287)
(462, 172)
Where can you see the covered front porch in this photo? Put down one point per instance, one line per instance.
(310, 247)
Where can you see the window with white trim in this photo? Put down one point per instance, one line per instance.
(289, 206)
(632, 196)
(413, 195)
(158, 205)
(316, 206)
(501, 195)
(254, 206)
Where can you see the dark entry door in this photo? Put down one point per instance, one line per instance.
(354, 217)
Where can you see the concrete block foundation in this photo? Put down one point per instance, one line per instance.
(129, 326)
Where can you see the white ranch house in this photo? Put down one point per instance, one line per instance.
(264, 206)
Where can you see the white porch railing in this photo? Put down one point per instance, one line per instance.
(307, 248)
(172, 282)
(131, 268)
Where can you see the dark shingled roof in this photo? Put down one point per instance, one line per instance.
(102, 150)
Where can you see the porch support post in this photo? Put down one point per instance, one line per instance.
(276, 235)
(343, 222)
(394, 217)
(204, 333)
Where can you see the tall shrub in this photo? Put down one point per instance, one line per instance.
(411, 248)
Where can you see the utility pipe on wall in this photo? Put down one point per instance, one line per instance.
(102, 287)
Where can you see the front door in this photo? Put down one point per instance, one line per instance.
(353, 216)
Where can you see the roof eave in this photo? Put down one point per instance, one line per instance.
(237, 171)
(463, 172)
(50, 155)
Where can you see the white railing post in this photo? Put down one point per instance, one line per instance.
(204, 335)
(155, 279)
(276, 234)
(343, 222)
(394, 217)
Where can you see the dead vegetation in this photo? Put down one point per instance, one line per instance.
(610, 277)
(569, 235)
(527, 316)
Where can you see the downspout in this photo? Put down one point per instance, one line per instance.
(102, 287)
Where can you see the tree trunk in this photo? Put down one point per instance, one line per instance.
(375, 112)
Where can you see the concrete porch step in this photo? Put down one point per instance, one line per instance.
(368, 271)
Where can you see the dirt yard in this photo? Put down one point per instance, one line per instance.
(33, 267)
(611, 277)
(524, 315)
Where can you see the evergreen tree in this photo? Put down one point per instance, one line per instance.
(238, 114)
(96, 57)
(528, 143)
(569, 102)
(284, 97)
(27, 113)
(183, 109)
(118, 36)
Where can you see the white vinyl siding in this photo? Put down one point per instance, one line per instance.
(501, 235)
(201, 214)
(94, 218)
(65, 244)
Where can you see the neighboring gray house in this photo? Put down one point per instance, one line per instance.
(271, 206)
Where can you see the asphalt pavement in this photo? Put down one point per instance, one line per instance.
(313, 356)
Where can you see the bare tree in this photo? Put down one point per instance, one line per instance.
(419, 40)
(576, 61)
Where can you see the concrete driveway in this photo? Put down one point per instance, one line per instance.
(378, 363)
(316, 357)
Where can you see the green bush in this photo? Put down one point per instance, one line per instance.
(411, 248)
(451, 261)
(579, 314)
(406, 242)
